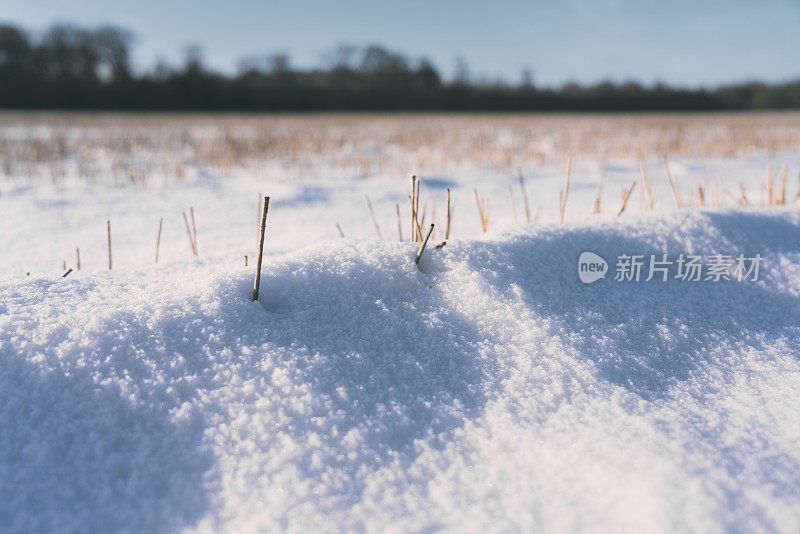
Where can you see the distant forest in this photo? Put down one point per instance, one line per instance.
(77, 68)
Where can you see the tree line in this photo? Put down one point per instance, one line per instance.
(70, 67)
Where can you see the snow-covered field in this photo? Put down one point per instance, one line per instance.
(487, 389)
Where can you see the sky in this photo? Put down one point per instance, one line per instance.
(681, 42)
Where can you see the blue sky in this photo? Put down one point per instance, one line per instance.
(681, 42)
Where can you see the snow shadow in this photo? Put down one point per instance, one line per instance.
(304, 196)
(757, 232)
(438, 183)
(78, 457)
(645, 336)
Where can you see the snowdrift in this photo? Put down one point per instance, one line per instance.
(488, 389)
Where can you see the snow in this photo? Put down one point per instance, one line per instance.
(487, 389)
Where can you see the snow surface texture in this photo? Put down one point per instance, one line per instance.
(488, 390)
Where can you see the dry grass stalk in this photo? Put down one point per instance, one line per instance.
(372, 216)
(413, 213)
(422, 246)
(158, 236)
(108, 232)
(700, 197)
(672, 185)
(524, 196)
(625, 198)
(513, 207)
(399, 223)
(447, 226)
(416, 208)
(66, 273)
(258, 214)
(338, 227)
(194, 231)
(189, 234)
(645, 187)
(481, 213)
(414, 221)
(717, 196)
(245, 260)
(769, 187)
(566, 191)
(257, 283)
(78, 258)
(597, 199)
(782, 188)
